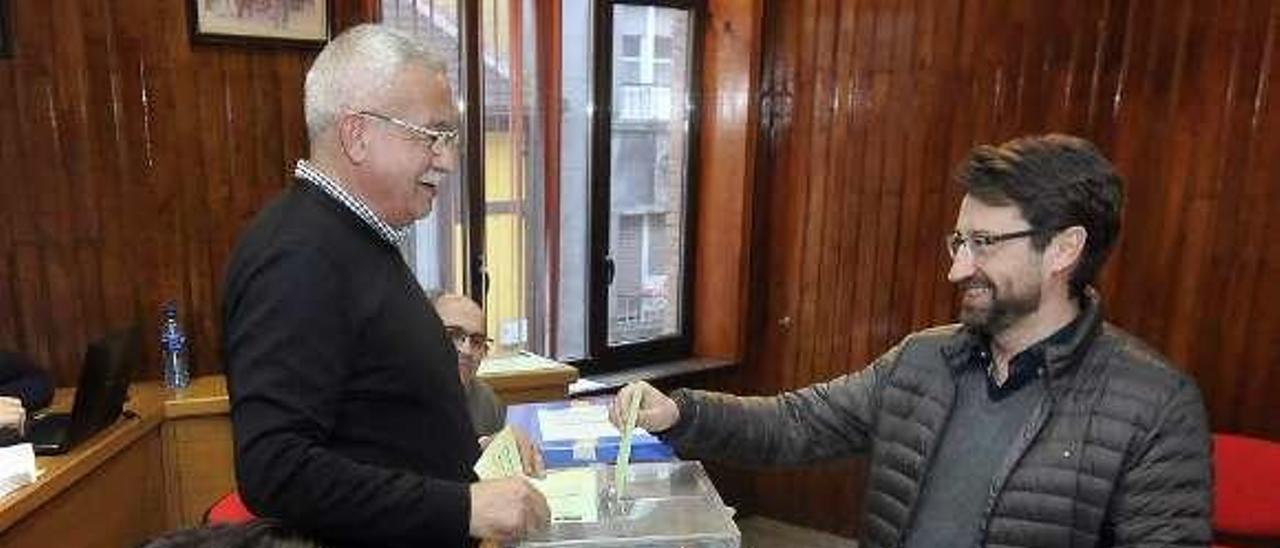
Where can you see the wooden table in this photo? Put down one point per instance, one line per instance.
(162, 465)
(548, 382)
(108, 491)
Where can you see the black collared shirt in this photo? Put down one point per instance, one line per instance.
(1026, 365)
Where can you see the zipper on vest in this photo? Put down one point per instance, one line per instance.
(1039, 417)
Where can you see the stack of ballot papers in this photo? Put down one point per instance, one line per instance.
(17, 467)
(578, 433)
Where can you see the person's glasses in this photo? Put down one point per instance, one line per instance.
(980, 244)
(477, 343)
(437, 140)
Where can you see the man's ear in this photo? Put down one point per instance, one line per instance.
(1066, 248)
(353, 137)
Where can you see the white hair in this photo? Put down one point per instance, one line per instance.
(356, 69)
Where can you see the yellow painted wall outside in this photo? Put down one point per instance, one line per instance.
(505, 235)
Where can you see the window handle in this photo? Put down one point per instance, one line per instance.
(609, 270)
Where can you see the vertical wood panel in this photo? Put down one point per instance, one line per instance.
(862, 126)
(130, 160)
(730, 114)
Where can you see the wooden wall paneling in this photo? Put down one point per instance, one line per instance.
(863, 163)
(10, 194)
(813, 127)
(1222, 352)
(786, 200)
(910, 219)
(169, 174)
(217, 184)
(72, 286)
(848, 133)
(828, 136)
(195, 275)
(29, 91)
(730, 114)
(131, 159)
(777, 234)
(121, 254)
(816, 269)
(901, 25)
(1134, 132)
(1211, 100)
(807, 197)
(1256, 285)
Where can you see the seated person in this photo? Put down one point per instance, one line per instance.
(24, 387)
(464, 325)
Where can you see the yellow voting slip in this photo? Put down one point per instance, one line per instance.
(621, 467)
(501, 459)
(571, 495)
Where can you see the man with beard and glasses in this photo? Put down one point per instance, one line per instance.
(350, 424)
(1032, 422)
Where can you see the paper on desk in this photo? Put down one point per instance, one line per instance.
(523, 361)
(501, 459)
(572, 495)
(17, 467)
(620, 469)
(576, 422)
(585, 385)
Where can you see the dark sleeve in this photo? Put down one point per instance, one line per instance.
(1165, 495)
(288, 343)
(823, 421)
(21, 378)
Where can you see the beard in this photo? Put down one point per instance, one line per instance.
(990, 310)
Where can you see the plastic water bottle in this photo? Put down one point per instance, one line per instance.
(173, 349)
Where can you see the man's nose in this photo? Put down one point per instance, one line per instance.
(446, 159)
(961, 266)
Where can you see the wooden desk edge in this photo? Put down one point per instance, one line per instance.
(150, 405)
(60, 475)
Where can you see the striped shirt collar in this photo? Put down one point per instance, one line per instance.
(306, 171)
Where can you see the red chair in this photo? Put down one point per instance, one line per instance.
(228, 510)
(1246, 492)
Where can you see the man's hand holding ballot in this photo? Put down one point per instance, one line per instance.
(509, 459)
(657, 412)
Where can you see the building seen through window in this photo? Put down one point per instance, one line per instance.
(538, 291)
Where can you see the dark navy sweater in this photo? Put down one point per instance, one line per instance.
(349, 420)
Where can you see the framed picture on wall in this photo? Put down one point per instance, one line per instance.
(6, 37)
(263, 22)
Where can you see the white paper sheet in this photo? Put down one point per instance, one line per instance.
(17, 467)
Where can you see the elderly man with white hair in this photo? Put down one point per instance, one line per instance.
(340, 430)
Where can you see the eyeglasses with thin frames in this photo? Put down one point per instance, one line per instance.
(980, 244)
(437, 140)
(477, 343)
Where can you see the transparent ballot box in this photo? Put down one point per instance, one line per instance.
(664, 504)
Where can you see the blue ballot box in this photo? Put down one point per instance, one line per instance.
(577, 432)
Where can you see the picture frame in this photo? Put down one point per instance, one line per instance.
(300, 23)
(6, 33)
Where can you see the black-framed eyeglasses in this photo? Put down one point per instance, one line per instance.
(462, 339)
(437, 140)
(980, 244)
